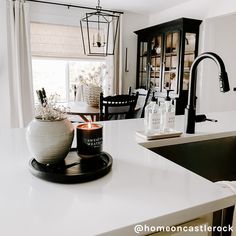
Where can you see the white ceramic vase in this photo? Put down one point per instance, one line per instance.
(49, 141)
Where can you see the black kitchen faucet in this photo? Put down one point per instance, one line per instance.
(190, 111)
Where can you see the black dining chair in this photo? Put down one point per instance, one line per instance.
(118, 106)
(143, 99)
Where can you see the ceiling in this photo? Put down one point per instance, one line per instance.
(135, 6)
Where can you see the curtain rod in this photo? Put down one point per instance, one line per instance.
(76, 6)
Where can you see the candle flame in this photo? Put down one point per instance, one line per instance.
(89, 125)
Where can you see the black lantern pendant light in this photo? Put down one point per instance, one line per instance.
(99, 31)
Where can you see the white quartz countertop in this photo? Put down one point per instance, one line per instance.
(142, 187)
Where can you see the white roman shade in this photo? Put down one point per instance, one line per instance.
(61, 41)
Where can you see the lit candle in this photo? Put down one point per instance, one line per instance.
(89, 140)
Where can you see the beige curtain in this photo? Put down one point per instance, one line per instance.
(20, 73)
(118, 61)
(113, 83)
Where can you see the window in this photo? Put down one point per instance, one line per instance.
(60, 76)
(58, 59)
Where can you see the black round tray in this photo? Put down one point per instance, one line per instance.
(73, 169)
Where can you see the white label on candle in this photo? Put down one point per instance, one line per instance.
(93, 142)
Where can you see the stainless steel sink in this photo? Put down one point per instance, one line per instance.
(213, 159)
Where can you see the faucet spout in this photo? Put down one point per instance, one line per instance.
(190, 111)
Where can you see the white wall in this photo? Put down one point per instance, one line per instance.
(4, 88)
(199, 9)
(209, 97)
(131, 23)
(55, 14)
(219, 37)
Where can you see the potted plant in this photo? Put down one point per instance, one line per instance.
(49, 136)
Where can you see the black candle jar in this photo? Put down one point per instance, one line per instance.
(89, 140)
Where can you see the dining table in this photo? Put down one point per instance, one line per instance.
(83, 110)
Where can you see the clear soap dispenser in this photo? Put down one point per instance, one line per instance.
(153, 116)
(168, 110)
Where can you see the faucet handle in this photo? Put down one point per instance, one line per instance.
(201, 118)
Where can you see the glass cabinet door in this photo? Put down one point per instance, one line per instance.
(170, 62)
(189, 56)
(165, 55)
(155, 63)
(143, 65)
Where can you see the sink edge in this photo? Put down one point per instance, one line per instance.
(185, 138)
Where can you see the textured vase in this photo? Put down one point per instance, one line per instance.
(49, 141)
(92, 94)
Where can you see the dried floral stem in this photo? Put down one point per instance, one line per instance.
(95, 76)
(48, 109)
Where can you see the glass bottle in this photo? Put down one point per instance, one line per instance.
(153, 116)
(168, 112)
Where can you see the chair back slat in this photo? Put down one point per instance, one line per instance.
(113, 106)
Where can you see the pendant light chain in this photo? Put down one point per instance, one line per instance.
(99, 8)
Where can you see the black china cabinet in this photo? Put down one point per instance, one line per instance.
(164, 57)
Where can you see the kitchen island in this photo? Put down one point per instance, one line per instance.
(142, 188)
